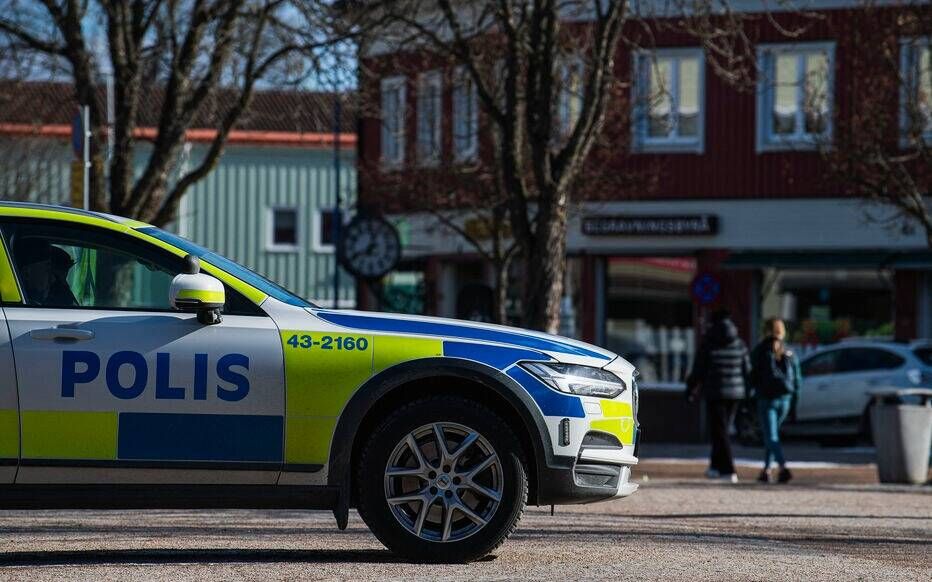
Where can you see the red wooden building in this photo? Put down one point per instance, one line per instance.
(737, 212)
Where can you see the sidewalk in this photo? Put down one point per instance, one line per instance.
(811, 464)
(795, 453)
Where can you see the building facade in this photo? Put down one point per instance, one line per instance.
(740, 215)
(268, 204)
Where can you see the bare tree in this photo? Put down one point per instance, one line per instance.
(544, 73)
(882, 150)
(181, 63)
(542, 83)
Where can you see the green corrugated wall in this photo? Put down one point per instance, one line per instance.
(228, 212)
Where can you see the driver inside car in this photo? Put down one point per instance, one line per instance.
(44, 271)
(60, 294)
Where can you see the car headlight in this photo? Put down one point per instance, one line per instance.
(576, 379)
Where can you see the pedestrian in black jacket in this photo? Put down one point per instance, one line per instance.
(720, 375)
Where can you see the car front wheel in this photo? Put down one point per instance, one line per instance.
(442, 479)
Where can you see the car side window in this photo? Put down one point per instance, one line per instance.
(924, 354)
(66, 266)
(821, 364)
(868, 359)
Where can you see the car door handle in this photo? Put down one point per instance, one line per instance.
(61, 333)
(823, 386)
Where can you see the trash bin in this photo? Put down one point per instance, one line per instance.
(901, 424)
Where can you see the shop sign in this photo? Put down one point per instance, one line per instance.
(651, 225)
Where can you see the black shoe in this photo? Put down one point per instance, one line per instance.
(784, 476)
(764, 476)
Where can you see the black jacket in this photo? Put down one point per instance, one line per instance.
(722, 367)
(770, 378)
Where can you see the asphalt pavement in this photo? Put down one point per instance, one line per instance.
(676, 527)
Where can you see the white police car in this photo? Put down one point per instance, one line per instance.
(140, 370)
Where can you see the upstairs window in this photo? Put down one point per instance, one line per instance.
(429, 118)
(916, 90)
(569, 108)
(795, 96)
(669, 100)
(465, 118)
(393, 121)
(283, 229)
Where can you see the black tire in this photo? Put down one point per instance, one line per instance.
(371, 482)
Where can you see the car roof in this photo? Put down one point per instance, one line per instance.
(903, 349)
(8, 208)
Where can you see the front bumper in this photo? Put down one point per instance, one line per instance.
(596, 474)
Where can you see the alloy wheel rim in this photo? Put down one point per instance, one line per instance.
(443, 482)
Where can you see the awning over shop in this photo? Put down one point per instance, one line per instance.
(853, 259)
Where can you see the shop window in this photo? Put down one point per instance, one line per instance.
(822, 307)
(794, 106)
(393, 121)
(649, 315)
(669, 104)
(916, 91)
(429, 118)
(404, 290)
(283, 229)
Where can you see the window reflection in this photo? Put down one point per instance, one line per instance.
(784, 103)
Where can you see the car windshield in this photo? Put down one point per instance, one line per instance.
(235, 269)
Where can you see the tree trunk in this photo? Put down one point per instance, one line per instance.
(545, 266)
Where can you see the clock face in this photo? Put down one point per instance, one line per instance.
(369, 247)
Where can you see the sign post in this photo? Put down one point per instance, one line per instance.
(81, 144)
(86, 116)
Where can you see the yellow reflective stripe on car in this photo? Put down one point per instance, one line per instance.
(617, 419)
(126, 227)
(56, 434)
(322, 372)
(391, 350)
(202, 296)
(65, 215)
(9, 434)
(9, 288)
(307, 438)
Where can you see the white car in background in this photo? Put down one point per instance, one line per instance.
(837, 382)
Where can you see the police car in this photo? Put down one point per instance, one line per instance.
(140, 370)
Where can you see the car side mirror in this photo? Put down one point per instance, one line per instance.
(195, 292)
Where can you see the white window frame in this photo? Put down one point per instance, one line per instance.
(644, 143)
(565, 124)
(317, 231)
(767, 141)
(393, 84)
(470, 151)
(908, 84)
(270, 244)
(426, 85)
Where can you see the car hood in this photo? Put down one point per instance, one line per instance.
(559, 348)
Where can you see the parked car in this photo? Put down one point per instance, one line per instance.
(837, 382)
